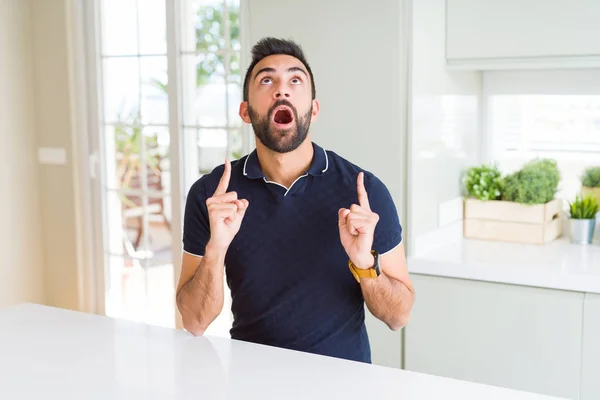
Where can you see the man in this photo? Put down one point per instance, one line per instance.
(307, 238)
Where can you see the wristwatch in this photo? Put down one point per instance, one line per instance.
(372, 272)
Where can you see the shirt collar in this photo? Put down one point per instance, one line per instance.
(318, 166)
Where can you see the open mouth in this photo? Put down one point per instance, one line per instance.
(283, 116)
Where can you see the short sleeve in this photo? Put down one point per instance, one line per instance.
(388, 232)
(196, 225)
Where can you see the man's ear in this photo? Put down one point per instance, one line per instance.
(315, 110)
(244, 112)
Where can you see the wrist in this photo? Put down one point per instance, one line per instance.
(216, 250)
(364, 262)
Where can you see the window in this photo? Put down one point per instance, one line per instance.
(545, 114)
(138, 41)
(211, 94)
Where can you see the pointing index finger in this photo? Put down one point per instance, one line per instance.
(224, 182)
(363, 198)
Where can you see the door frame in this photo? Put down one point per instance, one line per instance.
(95, 112)
(91, 154)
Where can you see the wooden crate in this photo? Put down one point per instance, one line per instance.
(512, 222)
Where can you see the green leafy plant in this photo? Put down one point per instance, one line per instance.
(584, 207)
(483, 182)
(536, 183)
(591, 177)
(211, 39)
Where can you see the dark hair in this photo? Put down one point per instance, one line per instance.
(270, 46)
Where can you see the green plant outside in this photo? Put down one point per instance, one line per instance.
(210, 37)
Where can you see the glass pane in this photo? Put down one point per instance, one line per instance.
(157, 141)
(160, 293)
(154, 99)
(121, 89)
(236, 146)
(141, 272)
(118, 240)
(234, 75)
(204, 91)
(153, 27)
(212, 149)
(143, 230)
(234, 18)
(159, 229)
(122, 150)
(203, 150)
(132, 226)
(206, 28)
(233, 100)
(191, 170)
(141, 290)
(118, 270)
(119, 27)
(565, 128)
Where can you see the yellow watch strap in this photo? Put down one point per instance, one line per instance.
(361, 273)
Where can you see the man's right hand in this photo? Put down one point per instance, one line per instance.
(225, 213)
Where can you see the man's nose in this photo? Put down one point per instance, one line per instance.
(282, 92)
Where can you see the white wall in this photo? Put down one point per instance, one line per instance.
(21, 269)
(357, 54)
(444, 129)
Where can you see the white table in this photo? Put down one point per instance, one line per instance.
(48, 353)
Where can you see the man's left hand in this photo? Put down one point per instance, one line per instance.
(357, 228)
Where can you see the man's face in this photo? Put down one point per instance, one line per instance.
(280, 106)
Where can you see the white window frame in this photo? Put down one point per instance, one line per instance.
(87, 23)
(576, 82)
(536, 82)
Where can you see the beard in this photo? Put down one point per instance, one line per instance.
(280, 140)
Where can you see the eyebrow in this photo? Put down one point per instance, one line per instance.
(273, 70)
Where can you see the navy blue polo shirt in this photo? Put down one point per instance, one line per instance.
(286, 268)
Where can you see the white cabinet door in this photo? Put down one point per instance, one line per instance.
(528, 30)
(511, 336)
(590, 373)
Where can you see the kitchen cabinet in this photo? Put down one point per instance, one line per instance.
(590, 371)
(520, 337)
(491, 34)
(386, 345)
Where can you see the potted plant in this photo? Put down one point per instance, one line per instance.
(483, 182)
(590, 181)
(583, 219)
(536, 183)
(518, 208)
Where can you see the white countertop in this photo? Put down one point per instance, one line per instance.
(52, 354)
(556, 265)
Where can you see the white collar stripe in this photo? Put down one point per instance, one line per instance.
(245, 163)
(326, 161)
